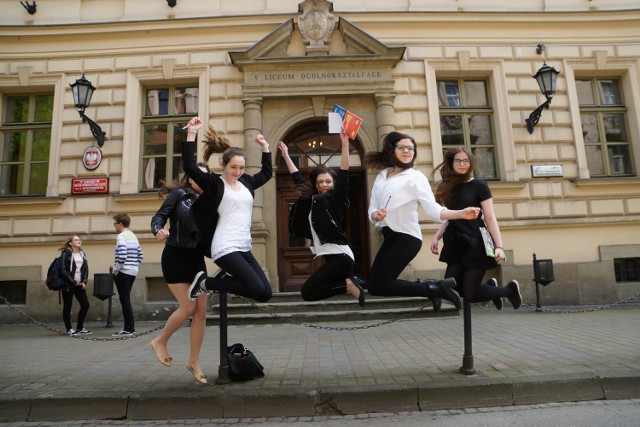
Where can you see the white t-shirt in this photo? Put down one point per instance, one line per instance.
(319, 249)
(77, 258)
(400, 195)
(233, 232)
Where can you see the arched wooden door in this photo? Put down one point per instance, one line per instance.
(310, 144)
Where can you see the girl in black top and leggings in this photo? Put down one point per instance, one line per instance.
(74, 269)
(223, 216)
(318, 216)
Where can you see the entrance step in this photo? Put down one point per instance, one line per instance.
(289, 307)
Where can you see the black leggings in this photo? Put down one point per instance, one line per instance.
(470, 284)
(328, 280)
(124, 283)
(396, 252)
(67, 299)
(248, 279)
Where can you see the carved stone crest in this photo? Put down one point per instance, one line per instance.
(316, 25)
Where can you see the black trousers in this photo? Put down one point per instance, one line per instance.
(67, 300)
(248, 279)
(396, 252)
(329, 279)
(124, 283)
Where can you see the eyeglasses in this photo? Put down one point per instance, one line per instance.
(461, 161)
(407, 148)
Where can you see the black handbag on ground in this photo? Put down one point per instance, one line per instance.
(243, 364)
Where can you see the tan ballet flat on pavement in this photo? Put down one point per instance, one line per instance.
(167, 361)
(199, 377)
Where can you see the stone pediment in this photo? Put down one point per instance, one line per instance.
(287, 44)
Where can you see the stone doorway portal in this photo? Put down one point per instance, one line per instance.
(310, 144)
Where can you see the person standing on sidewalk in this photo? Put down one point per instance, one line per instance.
(464, 249)
(128, 256)
(181, 260)
(393, 209)
(223, 216)
(319, 216)
(74, 269)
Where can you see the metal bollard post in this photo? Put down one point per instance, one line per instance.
(467, 360)
(223, 368)
(109, 320)
(536, 275)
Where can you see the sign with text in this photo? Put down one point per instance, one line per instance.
(335, 76)
(543, 171)
(89, 185)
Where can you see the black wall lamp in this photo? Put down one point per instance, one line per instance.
(31, 8)
(82, 91)
(546, 78)
(172, 3)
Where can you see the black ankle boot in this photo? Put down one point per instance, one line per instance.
(443, 289)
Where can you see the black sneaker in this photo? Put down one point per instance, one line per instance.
(197, 287)
(496, 301)
(84, 331)
(72, 333)
(122, 333)
(516, 297)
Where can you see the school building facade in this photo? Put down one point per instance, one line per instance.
(446, 72)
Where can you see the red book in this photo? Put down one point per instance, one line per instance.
(351, 124)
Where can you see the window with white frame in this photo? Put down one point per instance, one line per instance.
(466, 119)
(167, 110)
(25, 135)
(603, 117)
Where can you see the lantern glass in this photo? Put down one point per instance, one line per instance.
(82, 91)
(546, 78)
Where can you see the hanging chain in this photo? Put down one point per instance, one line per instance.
(583, 310)
(308, 325)
(64, 333)
(330, 328)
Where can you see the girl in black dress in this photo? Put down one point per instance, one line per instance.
(464, 250)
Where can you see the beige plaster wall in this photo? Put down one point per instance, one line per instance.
(569, 218)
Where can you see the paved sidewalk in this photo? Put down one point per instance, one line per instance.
(521, 357)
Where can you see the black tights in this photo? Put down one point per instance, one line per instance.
(328, 280)
(396, 252)
(248, 280)
(470, 286)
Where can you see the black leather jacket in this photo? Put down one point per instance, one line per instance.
(68, 269)
(183, 232)
(327, 212)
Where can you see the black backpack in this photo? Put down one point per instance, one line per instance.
(54, 281)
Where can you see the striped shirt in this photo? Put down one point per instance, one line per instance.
(128, 254)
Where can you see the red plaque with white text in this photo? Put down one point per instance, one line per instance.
(90, 186)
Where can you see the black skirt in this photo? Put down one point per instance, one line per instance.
(464, 249)
(180, 265)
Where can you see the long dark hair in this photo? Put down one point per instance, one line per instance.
(451, 181)
(182, 182)
(310, 188)
(386, 157)
(214, 143)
